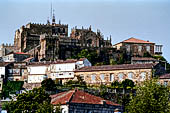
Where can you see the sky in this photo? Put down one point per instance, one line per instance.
(122, 19)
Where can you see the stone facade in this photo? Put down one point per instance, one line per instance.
(97, 75)
(51, 41)
(28, 37)
(165, 79)
(6, 49)
(136, 47)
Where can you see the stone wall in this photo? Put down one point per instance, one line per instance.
(138, 75)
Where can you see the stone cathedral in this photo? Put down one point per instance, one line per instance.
(51, 41)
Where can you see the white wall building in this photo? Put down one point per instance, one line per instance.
(2, 71)
(65, 69)
(62, 70)
(37, 73)
(3, 66)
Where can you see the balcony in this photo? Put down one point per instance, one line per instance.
(158, 49)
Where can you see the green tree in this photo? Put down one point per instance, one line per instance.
(48, 85)
(150, 97)
(92, 56)
(11, 87)
(116, 84)
(128, 83)
(35, 101)
(147, 54)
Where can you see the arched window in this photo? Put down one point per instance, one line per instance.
(120, 75)
(130, 75)
(143, 75)
(102, 77)
(93, 77)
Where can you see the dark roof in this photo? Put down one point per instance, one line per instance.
(77, 96)
(165, 76)
(56, 62)
(117, 67)
(143, 58)
(4, 63)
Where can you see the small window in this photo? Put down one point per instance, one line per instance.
(148, 48)
(111, 77)
(130, 75)
(93, 77)
(139, 48)
(128, 48)
(102, 77)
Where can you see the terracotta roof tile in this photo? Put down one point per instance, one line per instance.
(134, 40)
(116, 67)
(77, 96)
(21, 53)
(61, 98)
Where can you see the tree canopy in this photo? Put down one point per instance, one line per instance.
(10, 87)
(48, 84)
(35, 101)
(150, 97)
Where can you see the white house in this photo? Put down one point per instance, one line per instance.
(2, 71)
(3, 66)
(64, 70)
(37, 72)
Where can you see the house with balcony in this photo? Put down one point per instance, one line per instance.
(64, 70)
(136, 47)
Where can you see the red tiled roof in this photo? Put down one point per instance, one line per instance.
(82, 59)
(143, 58)
(77, 96)
(165, 76)
(21, 53)
(61, 98)
(28, 58)
(116, 67)
(134, 40)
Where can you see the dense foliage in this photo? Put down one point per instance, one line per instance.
(48, 85)
(150, 97)
(35, 101)
(10, 87)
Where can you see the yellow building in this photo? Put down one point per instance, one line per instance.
(106, 74)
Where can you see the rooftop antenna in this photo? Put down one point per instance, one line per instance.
(51, 13)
